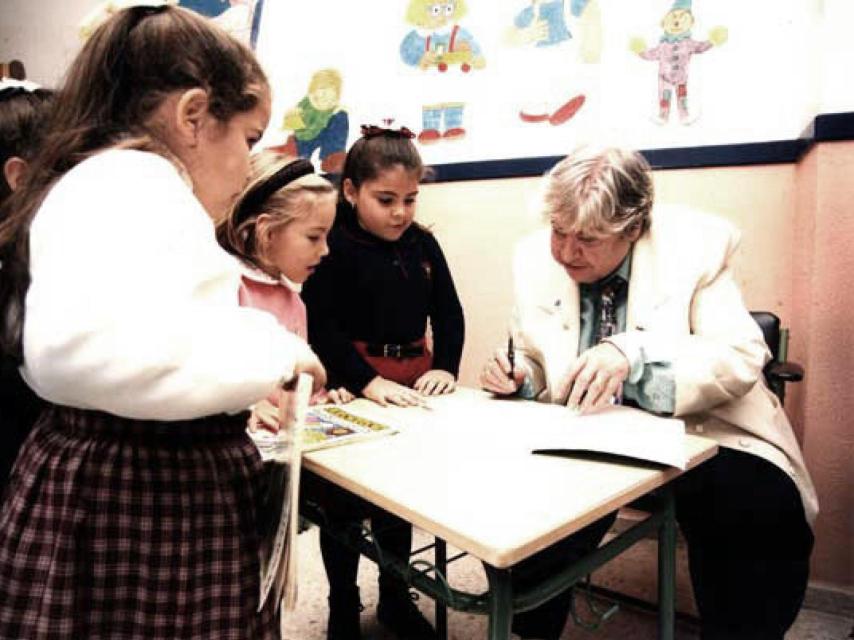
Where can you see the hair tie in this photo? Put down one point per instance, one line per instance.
(374, 131)
(263, 190)
(10, 87)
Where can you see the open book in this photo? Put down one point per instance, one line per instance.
(618, 431)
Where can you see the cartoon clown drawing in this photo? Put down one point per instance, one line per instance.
(673, 54)
(438, 44)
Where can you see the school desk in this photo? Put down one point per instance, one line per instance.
(481, 489)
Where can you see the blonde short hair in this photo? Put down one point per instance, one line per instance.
(239, 234)
(600, 191)
(325, 78)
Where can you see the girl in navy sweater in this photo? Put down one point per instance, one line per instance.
(369, 304)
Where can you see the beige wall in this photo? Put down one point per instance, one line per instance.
(795, 231)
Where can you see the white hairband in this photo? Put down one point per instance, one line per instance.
(12, 83)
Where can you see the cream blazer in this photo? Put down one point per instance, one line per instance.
(683, 307)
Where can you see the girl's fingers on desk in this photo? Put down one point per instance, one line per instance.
(387, 392)
(435, 382)
(340, 396)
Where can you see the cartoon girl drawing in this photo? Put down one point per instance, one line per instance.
(438, 43)
(673, 54)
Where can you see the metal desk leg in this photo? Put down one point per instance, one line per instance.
(500, 602)
(440, 559)
(667, 569)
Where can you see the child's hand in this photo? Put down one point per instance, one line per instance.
(335, 396)
(386, 392)
(496, 375)
(435, 382)
(307, 362)
(265, 415)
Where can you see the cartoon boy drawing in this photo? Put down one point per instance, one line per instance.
(438, 42)
(319, 122)
(674, 53)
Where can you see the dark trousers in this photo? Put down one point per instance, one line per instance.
(340, 508)
(748, 546)
(548, 620)
(748, 549)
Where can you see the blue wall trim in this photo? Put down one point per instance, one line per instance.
(825, 127)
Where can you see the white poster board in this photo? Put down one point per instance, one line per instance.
(759, 79)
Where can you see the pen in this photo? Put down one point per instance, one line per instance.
(511, 355)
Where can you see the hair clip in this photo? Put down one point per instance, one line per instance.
(372, 130)
(11, 87)
(259, 194)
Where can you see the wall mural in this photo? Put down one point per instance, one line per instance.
(235, 16)
(487, 79)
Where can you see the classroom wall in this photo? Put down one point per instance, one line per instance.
(796, 225)
(795, 229)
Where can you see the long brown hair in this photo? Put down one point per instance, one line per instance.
(129, 65)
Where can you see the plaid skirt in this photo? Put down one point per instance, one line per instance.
(133, 530)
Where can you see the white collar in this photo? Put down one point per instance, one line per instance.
(257, 275)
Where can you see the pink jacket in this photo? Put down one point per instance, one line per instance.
(281, 299)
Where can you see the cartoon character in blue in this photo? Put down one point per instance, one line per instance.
(439, 42)
(548, 89)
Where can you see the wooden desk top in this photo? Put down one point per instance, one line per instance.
(461, 474)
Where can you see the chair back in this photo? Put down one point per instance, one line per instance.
(770, 325)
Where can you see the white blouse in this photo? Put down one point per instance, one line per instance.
(133, 306)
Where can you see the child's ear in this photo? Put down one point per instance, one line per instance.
(350, 191)
(191, 112)
(263, 233)
(13, 171)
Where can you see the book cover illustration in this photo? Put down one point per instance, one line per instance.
(332, 425)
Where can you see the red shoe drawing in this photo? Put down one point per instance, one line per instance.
(456, 133)
(567, 111)
(533, 117)
(429, 136)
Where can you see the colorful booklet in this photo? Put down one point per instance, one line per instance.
(333, 425)
(300, 428)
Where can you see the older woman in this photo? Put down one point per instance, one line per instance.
(619, 299)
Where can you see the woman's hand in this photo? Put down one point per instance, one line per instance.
(496, 376)
(435, 382)
(386, 392)
(594, 378)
